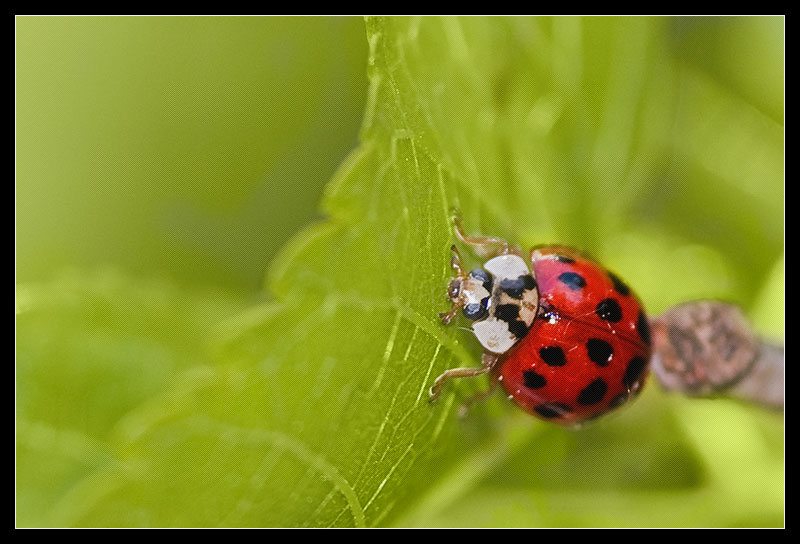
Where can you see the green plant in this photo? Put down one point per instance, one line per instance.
(143, 403)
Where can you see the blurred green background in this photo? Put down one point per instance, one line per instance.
(190, 147)
(193, 147)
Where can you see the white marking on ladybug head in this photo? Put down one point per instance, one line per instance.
(473, 290)
(493, 334)
(506, 266)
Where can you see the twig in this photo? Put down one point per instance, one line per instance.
(707, 348)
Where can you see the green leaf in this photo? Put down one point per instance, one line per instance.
(314, 411)
(319, 410)
(92, 348)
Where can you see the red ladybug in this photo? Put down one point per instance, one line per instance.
(567, 339)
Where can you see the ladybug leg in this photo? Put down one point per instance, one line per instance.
(454, 289)
(436, 388)
(488, 361)
(482, 395)
(486, 246)
(456, 263)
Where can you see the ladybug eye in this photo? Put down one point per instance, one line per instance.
(481, 275)
(475, 311)
(454, 289)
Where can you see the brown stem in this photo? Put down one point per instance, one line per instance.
(707, 348)
(764, 383)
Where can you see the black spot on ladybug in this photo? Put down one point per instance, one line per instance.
(600, 351)
(618, 401)
(593, 393)
(507, 312)
(563, 259)
(643, 327)
(510, 314)
(572, 280)
(533, 380)
(515, 288)
(529, 282)
(552, 409)
(553, 356)
(633, 371)
(518, 329)
(609, 310)
(619, 286)
(474, 311)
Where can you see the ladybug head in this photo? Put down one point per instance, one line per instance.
(471, 294)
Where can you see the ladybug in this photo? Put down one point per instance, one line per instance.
(567, 339)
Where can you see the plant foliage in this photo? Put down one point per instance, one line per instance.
(145, 404)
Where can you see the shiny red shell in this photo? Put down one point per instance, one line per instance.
(588, 351)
